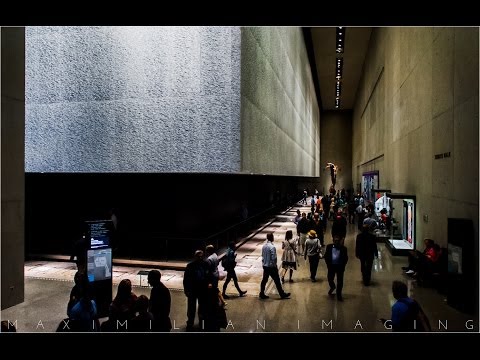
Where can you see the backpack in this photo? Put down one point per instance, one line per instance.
(415, 312)
(225, 261)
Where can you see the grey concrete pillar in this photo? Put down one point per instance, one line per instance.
(12, 164)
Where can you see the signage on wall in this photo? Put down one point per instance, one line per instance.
(442, 155)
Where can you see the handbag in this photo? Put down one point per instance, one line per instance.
(222, 274)
(319, 247)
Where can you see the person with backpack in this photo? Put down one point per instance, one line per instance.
(229, 263)
(407, 314)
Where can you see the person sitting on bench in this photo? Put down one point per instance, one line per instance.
(421, 262)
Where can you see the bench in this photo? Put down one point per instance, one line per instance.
(436, 274)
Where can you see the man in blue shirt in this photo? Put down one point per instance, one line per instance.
(269, 262)
(407, 314)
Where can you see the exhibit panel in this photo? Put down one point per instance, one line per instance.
(370, 182)
(401, 237)
(382, 204)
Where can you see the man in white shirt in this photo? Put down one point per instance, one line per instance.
(269, 262)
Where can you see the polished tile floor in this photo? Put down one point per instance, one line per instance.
(310, 309)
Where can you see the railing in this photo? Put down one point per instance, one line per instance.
(183, 248)
(154, 247)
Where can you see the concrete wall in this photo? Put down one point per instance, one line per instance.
(336, 140)
(280, 116)
(132, 99)
(12, 171)
(418, 97)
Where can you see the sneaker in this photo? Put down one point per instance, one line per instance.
(406, 268)
(339, 298)
(263, 296)
(409, 272)
(285, 295)
(225, 296)
(290, 280)
(242, 293)
(330, 292)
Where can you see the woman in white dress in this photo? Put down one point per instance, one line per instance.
(289, 256)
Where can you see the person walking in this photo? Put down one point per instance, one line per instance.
(289, 256)
(229, 263)
(313, 251)
(365, 251)
(302, 229)
(336, 258)
(269, 262)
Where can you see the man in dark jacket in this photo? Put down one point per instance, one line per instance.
(336, 258)
(160, 301)
(339, 227)
(365, 251)
(303, 227)
(317, 224)
(229, 263)
(195, 286)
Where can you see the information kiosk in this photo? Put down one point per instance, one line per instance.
(99, 263)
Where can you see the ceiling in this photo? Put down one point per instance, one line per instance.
(355, 48)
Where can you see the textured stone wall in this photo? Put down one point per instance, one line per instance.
(280, 116)
(132, 99)
(418, 97)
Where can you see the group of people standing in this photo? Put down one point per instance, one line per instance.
(200, 284)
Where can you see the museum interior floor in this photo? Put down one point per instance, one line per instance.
(310, 308)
